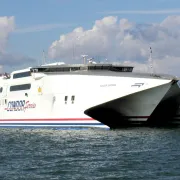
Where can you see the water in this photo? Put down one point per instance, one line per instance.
(134, 153)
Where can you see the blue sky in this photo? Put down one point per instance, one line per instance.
(40, 22)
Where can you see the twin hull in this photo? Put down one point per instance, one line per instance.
(65, 100)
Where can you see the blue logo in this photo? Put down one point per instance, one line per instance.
(20, 105)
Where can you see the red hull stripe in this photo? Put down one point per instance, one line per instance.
(67, 119)
(50, 119)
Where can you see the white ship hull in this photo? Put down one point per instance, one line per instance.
(168, 110)
(80, 99)
(134, 108)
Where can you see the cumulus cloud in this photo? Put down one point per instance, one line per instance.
(120, 40)
(7, 26)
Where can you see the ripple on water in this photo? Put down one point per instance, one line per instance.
(133, 153)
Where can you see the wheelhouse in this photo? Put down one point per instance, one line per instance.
(90, 67)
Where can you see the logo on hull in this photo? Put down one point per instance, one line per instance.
(20, 105)
(137, 85)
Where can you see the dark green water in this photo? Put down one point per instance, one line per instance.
(134, 153)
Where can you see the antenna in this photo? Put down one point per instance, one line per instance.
(151, 61)
(44, 58)
(84, 58)
(1, 69)
(73, 50)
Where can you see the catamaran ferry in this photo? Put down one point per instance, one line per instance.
(85, 95)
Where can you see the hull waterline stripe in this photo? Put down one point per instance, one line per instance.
(50, 119)
(68, 119)
(57, 127)
(53, 124)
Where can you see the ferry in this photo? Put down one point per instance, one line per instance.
(88, 95)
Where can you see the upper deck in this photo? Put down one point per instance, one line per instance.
(97, 69)
(81, 67)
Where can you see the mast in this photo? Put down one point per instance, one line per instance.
(73, 51)
(44, 58)
(84, 58)
(151, 62)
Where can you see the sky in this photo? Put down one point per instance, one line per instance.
(107, 30)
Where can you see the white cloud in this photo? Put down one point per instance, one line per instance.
(6, 27)
(124, 41)
(171, 22)
(7, 60)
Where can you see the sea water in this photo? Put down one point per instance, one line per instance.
(128, 153)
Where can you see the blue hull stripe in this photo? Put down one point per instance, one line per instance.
(49, 124)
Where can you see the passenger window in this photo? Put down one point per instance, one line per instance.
(72, 99)
(20, 87)
(66, 98)
(21, 75)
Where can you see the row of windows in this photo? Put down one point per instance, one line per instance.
(20, 87)
(72, 99)
(21, 75)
